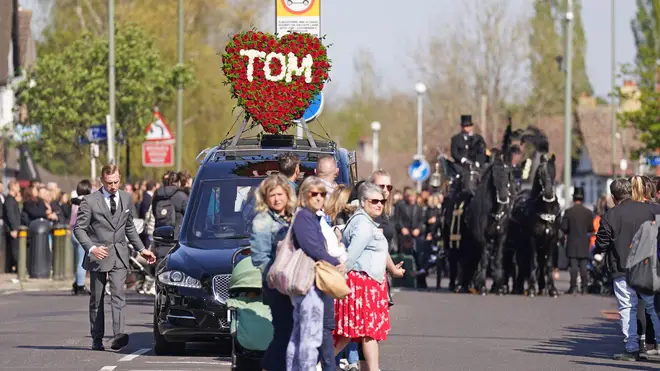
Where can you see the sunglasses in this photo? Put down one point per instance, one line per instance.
(386, 186)
(314, 194)
(377, 201)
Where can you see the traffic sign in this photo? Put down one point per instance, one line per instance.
(653, 160)
(302, 16)
(97, 133)
(419, 170)
(158, 130)
(315, 108)
(158, 153)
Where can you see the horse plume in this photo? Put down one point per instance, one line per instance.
(537, 138)
(507, 140)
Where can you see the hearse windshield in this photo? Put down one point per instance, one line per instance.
(224, 208)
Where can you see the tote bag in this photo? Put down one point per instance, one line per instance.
(293, 271)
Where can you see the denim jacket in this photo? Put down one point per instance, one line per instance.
(367, 246)
(268, 228)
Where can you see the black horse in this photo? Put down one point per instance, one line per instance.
(535, 229)
(462, 189)
(486, 218)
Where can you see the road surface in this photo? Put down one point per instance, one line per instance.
(431, 331)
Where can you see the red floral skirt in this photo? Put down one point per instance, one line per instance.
(365, 311)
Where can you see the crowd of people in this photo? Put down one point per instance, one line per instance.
(636, 200)
(38, 201)
(348, 227)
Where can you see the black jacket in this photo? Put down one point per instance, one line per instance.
(409, 216)
(12, 213)
(578, 224)
(471, 147)
(179, 200)
(617, 229)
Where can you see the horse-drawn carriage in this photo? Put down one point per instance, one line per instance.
(493, 227)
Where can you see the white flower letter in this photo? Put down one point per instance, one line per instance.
(251, 54)
(306, 67)
(267, 71)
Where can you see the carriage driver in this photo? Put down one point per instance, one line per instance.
(467, 147)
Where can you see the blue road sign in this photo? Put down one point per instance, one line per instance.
(653, 160)
(97, 133)
(419, 170)
(315, 108)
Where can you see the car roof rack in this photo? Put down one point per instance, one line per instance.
(237, 146)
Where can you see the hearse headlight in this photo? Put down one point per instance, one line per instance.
(180, 279)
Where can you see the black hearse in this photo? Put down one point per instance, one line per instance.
(192, 280)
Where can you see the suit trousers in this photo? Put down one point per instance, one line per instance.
(98, 280)
(581, 264)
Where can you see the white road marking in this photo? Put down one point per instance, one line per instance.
(134, 355)
(218, 363)
(107, 368)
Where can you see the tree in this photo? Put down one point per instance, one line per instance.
(546, 77)
(207, 26)
(71, 89)
(646, 29)
(483, 53)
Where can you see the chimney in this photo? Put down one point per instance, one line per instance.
(629, 83)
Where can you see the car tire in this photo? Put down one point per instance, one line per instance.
(161, 346)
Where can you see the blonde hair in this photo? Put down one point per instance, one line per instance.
(310, 183)
(338, 202)
(388, 209)
(267, 186)
(638, 188)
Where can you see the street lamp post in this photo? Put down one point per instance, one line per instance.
(420, 88)
(613, 108)
(375, 131)
(568, 102)
(179, 94)
(111, 82)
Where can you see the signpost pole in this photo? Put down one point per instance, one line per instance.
(94, 153)
(421, 89)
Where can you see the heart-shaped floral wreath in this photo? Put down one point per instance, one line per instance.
(275, 80)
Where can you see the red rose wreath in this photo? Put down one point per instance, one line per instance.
(275, 80)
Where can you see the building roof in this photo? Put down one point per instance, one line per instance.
(65, 182)
(595, 124)
(26, 45)
(6, 12)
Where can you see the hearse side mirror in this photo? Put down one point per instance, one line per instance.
(164, 234)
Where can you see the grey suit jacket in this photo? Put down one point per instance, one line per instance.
(95, 226)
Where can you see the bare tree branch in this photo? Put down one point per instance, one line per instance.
(95, 15)
(81, 18)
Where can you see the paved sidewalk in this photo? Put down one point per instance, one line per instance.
(9, 284)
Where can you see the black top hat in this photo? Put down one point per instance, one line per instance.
(578, 193)
(466, 120)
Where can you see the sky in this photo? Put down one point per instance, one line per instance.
(391, 28)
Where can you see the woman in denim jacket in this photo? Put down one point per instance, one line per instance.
(364, 314)
(275, 203)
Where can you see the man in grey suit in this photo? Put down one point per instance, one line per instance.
(103, 225)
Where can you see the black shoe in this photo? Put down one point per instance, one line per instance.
(98, 345)
(119, 341)
(627, 356)
(80, 290)
(572, 290)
